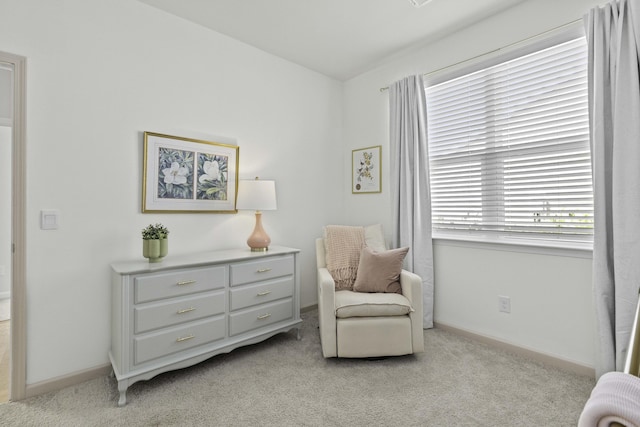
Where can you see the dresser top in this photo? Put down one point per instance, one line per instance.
(196, 259)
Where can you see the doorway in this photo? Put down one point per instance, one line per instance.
(12, 228)
(6, 125)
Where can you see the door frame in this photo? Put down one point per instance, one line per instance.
(17, 388)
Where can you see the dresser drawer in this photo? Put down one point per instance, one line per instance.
(172, 312)
(271, 290)
(150, 287)
(262, 269)
(165, 342)
(260, 316)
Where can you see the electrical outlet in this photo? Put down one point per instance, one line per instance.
(504, 304)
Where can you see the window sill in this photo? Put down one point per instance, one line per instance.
(542, 247)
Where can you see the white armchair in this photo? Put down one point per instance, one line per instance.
(361, 324)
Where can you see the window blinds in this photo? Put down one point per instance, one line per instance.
(509, 148)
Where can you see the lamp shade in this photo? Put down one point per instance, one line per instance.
(256, 195)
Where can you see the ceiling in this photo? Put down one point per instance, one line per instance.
(338, 38)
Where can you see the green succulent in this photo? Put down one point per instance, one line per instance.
(155, 231)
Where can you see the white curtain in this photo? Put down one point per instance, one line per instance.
(614, 104)
(411, 198)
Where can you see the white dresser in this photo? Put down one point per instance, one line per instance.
(187, 308)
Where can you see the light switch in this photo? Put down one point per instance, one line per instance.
(49, 219)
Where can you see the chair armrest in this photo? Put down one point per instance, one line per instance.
(411, 285)
(327, 313)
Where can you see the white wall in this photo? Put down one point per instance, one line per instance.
(99, 74)
(550, 295)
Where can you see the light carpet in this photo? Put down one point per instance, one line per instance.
(285, 382)
(5, 309)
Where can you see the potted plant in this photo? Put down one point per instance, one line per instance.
(155, 242)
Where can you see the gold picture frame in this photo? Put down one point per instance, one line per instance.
(366, 170)
(188, 175)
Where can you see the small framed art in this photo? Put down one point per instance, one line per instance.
(365, 170)
(188, 175)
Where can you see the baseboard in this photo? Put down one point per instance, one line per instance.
(72, 379)
(547, 359)
(69, 380)
(309, 308)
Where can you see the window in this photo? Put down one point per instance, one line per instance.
(509, 149)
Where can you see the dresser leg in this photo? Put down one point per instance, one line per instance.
(298, 337)
(122, 388)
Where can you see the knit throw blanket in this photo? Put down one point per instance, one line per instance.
(343, 245)
(615, 398)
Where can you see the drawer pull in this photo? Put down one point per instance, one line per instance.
(261, 294)
(264, 316)
(188, 337)
(186, 310)
(263, 270)
(186, 282)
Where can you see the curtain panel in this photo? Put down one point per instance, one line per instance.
(614, 114)
(411, 199)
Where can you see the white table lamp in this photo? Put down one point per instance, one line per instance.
(260, 196)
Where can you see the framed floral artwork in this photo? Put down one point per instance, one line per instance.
(188, 175)
(365, 170)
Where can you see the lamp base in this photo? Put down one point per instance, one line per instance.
(259, 240)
